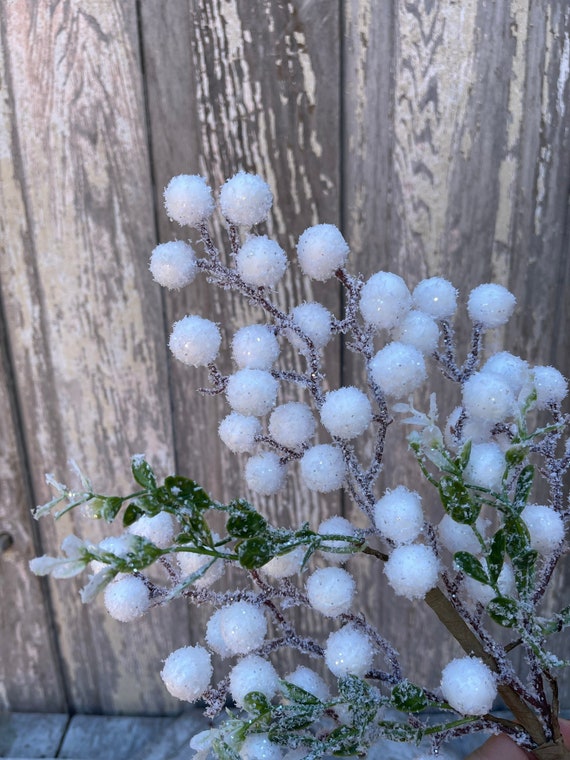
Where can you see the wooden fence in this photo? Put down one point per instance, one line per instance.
(436, 133)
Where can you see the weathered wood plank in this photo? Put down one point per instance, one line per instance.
(260, 94)
(88, 348)
(31, 734)
(29, 666)
(470, 135)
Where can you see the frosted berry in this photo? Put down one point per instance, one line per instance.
(253, 673)
(255, 347)
(346, 412)
(330, 591)
(491, 305)
(173, 264)
(252, 392)
(384, 300)
(323, 468)
(187, 673)
(398, 515)
(436, 297)
(245, 199)
(348, 651)
(412, 570)
(188, 200)
(261, 262)
(195, 341)
(398, 369)
(127, 598)
(469, 686)
(265, 474)
(321, 251)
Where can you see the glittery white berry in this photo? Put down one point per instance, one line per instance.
(315, 321)
(336, 526)
(255, 347)
(487, 397)
(348, 651)
(398, 369)
(384, 300)
(188, 200)
(292, 424)
(127, 598)
(550, 385)
(253, 673)
(195, 341)
(160, 529)
(469, 686)
(187, 673)
(259, 747)
(330, 590)
(486, 466)
(173, 264)
(483, 593)
(238, 432)
(458, 537)
(418, 329)
(261, 262)
(398, 515)
(346, 412)
(323, 468)
(322, 250)
(412, 570)
(491, 305)
(512, 369)
(307, 679)
(265, 474)
(190, 562)
(245, 199)
(252, 392)
(214, 637)
(285, 565)
(546, 527)
(243, 627)
(436, 297)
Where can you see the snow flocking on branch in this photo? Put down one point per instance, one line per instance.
(487, 559)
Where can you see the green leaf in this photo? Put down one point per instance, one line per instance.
(187, 492)
(471, 566)
(142, 472)
(496, 557)
(463, 458)
(255, 552)
(224, 751)
(516, 455)
(132, 514)
(343, 740)
(244, 521)
(256, 703)
(457, 501)
(408, 697)
(523, 488)
(517, 537)
(110, 507)
(298, 695)
(148, 503)
(524, 566)
(354, 689)
(503, 610)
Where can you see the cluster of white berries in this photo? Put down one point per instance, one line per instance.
(397, 332)
(276, 433)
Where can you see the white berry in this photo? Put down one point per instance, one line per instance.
(245, 199)
(469, 686)
(253, 673)
(127, 598)
(323, 468)
(187, 673)
(173, 264)
(243, 627)
(348, 651)
(195, 341)
(322, 250)
(265, 474)
(412, 570)
(384, 300)
(291, 425)
(261, 262)
(188, 200)
(398, 369)
(252, 392)
(255, 347)
(398, 515)
(491, 305)
(330, 591)
(346, 412)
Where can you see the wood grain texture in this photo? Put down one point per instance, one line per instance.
(88, 353)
